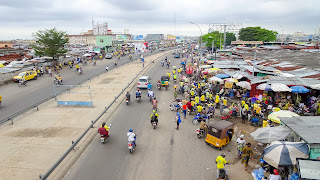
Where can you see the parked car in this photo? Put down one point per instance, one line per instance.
(109, 56)
(161, 49)
(143, 82)
(27, 75)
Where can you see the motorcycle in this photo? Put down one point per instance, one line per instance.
(103, 139)
(159, 86)
(167, 87)
(175, 107)
(138, 98)
(175, 81)
(222, 174)
(131, 146)
(22, 83)
(130, 57)
(162, 64)
(199, 118)
(200, 133)
(167, 66)
(154, 124)
(127, 101)
(154, 107)
(150, 98)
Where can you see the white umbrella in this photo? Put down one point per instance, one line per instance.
(238, 76)
(244, 84)
(315, 86)
(264, 87)
(282, 153)
(87, 55)
(279, 87)
(215, 79)
(269, 134)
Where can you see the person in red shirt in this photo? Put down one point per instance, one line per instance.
(103, 131)
(184, 110)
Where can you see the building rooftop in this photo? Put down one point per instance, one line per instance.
(307, 127)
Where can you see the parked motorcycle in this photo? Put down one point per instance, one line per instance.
(22, 83)
(175, 107)
(200, 133)
(199, 118)
(103, 139)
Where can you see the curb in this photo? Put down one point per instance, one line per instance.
(64, 167)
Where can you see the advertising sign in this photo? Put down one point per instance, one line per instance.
(170, 37)
(121, 37)
(137, 37)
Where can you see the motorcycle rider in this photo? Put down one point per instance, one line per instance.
(158, 83)
(154, 117)
(220, 161)
(128, 96)
(58, 78)
(168, 74)
(162, 63)
(131, 137)
(175, 77)
(130, 56)
(104, 130)
(150, 93)
(154, 102)
(203, 126)
(80, 70)
(115, 63)
(149, 86)
(138, 93)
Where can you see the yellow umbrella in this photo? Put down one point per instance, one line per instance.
(232, 80)
(214, 69)
(1, 65)
(282, 113)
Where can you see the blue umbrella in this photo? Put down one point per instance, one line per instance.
(222, 76)
(299, 89)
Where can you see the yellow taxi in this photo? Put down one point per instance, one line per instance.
(27, 75)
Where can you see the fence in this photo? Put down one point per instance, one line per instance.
(55, 165)
(35, 105)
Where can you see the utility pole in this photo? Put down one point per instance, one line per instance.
(254, 62)
(224, 36)
(212, 46)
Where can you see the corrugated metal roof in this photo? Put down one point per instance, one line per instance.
(281, 64)
(225, 66)
(307, 127)
(251, 68)
(8, 70)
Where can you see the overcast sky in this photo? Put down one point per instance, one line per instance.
(20, 18)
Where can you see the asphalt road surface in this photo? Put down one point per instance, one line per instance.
(163, 153)
(15, 98)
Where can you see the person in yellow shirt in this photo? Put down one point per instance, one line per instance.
(174, 72)
(198, 85)
(168, 74)
(197, 99)
(199, 108)
(211, 96)
(179, 70)
(225, 102)
(192, 103)
(217, 100)
(0, 99)
(258, 110)
(246, 106)
(203, 98)
(221, 161)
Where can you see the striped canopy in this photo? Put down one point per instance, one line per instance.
(283, 153)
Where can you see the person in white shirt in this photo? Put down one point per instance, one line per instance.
(150, 93)
(240, 144)
(275, 175)
(131, 137)
(107, 68)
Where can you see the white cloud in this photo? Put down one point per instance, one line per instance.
(19, 18)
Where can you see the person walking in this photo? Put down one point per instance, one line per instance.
(178, 119)
(246, 155)
(184, 110)
(49, 71)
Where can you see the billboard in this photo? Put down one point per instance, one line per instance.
(137, 37)
(118, 37)
(169, 37)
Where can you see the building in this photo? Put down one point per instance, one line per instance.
(6, 44)
(103, 41)
(77, 39)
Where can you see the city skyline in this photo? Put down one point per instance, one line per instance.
(23, 18)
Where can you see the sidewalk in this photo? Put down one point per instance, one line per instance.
(38, 138)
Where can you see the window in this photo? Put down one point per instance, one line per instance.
(101, 40)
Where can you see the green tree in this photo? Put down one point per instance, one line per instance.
(257, 34)
(216, 36)
(230, 37)
(50, 42)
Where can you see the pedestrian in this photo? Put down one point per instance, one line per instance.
(246, 155)
(184, 110)
(244, 114)
(175, 95)
(107, 68)
(49, 71)
(178, 119)
(240, 145)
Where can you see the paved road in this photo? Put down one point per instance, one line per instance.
(15, 99)
(164, 153)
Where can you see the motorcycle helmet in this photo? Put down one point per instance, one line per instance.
(154, 98)
(130, 130)
(103, 124)
(241, 136)
(154, 111)
(138, 89)
(275, 172)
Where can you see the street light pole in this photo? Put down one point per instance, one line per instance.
(200, 38)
